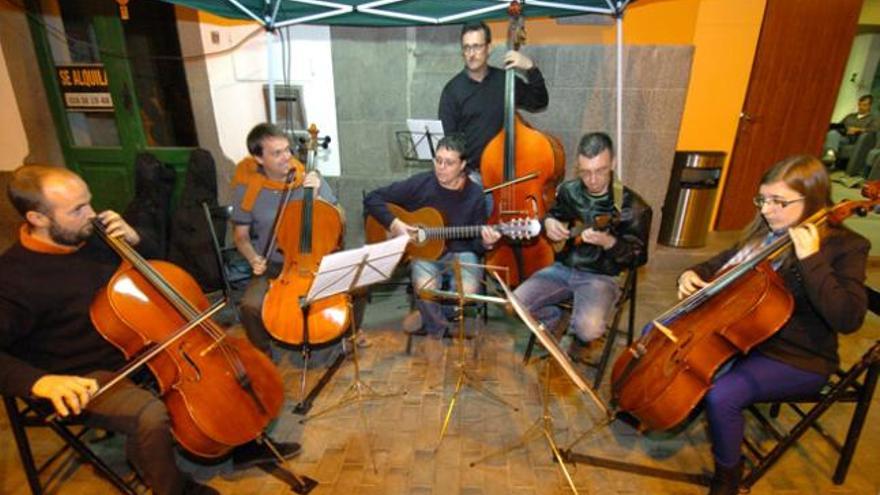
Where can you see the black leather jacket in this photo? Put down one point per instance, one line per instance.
(632, 230)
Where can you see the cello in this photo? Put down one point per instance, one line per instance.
(219, 390)
(523, 165)
(665, 374)
(285, 318)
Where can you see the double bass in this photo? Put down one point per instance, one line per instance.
(524, 165)
(285, 318)
(664, 375)
(220, 391)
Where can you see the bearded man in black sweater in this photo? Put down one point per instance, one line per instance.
(49, 348)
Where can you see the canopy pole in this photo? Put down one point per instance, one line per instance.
(619, 138)
(270, 64)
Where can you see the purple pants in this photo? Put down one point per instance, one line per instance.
(752, 378)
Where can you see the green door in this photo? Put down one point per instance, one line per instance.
(116, 88)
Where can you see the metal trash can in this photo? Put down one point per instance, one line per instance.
(690, 197)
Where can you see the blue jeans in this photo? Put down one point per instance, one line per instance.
(752, 378)
(593, 297)
(439, 274)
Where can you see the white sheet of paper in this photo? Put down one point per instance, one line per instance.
(337, 270)
(418, 128)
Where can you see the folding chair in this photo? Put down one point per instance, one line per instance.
(855, 385)
(479, 310)
(217, 219)
(25, 414)
(627, 299)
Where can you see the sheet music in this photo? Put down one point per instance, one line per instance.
(337, 271)
(418, 129)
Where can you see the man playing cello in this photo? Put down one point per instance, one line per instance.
(259, 185)
(49, 348)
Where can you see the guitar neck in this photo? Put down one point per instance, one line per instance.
(456, 232)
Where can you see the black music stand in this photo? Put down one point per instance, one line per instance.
(419, 142)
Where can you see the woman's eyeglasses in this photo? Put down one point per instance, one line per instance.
(760, 201)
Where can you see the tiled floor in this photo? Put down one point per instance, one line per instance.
(393, 448)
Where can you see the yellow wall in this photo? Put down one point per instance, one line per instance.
(870, 14)
(724, 34)
(646, 22)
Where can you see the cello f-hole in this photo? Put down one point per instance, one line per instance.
(192, 364)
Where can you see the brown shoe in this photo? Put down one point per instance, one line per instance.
(580, 352)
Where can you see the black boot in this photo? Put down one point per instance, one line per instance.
(726, 480)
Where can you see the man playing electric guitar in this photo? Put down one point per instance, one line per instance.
(460, 201)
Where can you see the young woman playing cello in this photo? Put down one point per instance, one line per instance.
(825, 275)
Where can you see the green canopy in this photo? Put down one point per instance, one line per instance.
(386, 13)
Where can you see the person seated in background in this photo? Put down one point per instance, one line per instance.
(586, 270)
(848, 130)
(460, 201)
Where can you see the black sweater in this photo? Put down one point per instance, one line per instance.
(829, 297)
(45, 326)
(461, 207)
(476, 109)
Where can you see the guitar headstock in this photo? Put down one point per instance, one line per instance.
(521, 228)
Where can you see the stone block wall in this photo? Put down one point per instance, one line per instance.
(384, 76)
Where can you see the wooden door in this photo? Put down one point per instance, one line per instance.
(799, 62)
(115, 87)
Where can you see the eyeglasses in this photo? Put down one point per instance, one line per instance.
(760, 201)
(446, 163)
(473, 48)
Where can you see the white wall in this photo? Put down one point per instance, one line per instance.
(13, 140)
(236, 81)
(858, 76)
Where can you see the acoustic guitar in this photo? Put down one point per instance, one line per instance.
(430, 239)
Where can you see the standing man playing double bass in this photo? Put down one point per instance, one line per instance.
(259, 186)
(472, 102)
(586, 269)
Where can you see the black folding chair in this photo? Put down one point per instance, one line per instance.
(855, 385)
(627, 299)
(24, 414)
(217, 219)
